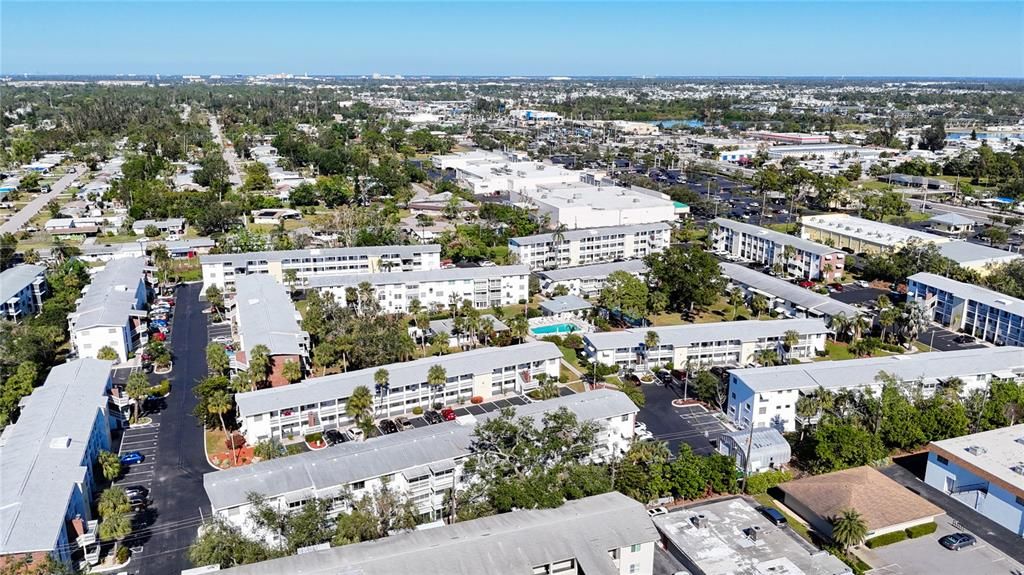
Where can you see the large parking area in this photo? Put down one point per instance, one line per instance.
(690, 424)
(479, 409)
(942, 339)
(924, 556)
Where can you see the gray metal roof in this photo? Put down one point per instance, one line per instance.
(935, 366)
(572, 235)
(448, 324)
(315, 390)
(595, 271)
(777, 237)
(564, 303)
(314, 471)
(953, 219)
(685, 335)
(762, 440)
(13, 280)
(266, 316)
(795, 294)
(44, 454)
(972, 292)
(516, 542)
(964, 252)
(276, 256)
(111, 294)
(387, 278)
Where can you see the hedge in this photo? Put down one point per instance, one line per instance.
(887, 539)
(758, 483)
(921, 530)
(417, 410)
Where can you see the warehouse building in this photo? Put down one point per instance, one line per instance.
(861, 235)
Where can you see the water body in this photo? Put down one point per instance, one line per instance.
(986, 136)
(674, 123)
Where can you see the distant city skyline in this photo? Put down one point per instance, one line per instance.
(535, 39)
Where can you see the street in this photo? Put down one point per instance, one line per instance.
(177, 462)
(32, 208)
(229, 155)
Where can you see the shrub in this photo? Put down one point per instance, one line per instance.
(122, 554)
(921, 530)
(562, 378)
(553, 339)
(762, 482)
(417, 410)
(236, 441)
(634, 393)
(534, 394)
(314, 437)
(476, 399)
(294, 449)
(887, 539)
(532, 313)
(161, 389)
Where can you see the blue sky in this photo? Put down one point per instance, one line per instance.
(899, 38)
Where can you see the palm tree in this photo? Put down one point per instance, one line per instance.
(292, 371)
(807, 407)
(735, 300)
(216, 359)
(548, 386)
(115, 525)
(437, 377)
(137, 388)
(557, 239)
(651, 341)
(840, 325)
(113, 500)
(790, 339)
(849, 529)
(767, 357)
(259, 365)
(291, 276)
(219, 403)
(107, 353)
(859, 324)
(887, 318)
(759, 304)
(912, 322)
(382, 383)
(359, 404)
(110, 464)
(519, 326)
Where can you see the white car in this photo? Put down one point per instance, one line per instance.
(644, 436)
(640, 427)
(657, 511)
(222, 339)
(355, 434)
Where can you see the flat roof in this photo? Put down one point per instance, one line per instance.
(266, 316)
(685, 335)
(515, 542)
(351, 461)
(44, 453)
(868, 230)
(964, 252)
(578, 195)
(13, 280)
(439, 275)
(281, 255)
(111, 295)
(564, 303)
(997, 455)
(594, 271)
(973, 292)
(777, 237)
(317, 389)
(932, 366)
(721, 546)
(584, 233)
(779, 288)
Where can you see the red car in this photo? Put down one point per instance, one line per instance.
(448, 414)
(806, 284)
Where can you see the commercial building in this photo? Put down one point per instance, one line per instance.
(22, 289)
(111, 312)
(981, 312)
(952, 224)
(884, 505)
(484, 287)
(767, 396)
(860, 235)
(590, 246)
(319, 403)
(796, 256)
(829, 152)
(984, 471)
(731, 537)
(725, 343)
(977, 257)
(767, 448)
(589, 280)
(790, 137)
(499, 174)
(579, 204)
(603, 534)
(221, 270)
(783, 297)
(424, 463)
(47, 481)
(264, 315)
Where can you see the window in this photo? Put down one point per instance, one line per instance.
(358, 485)
(762, 410)
(1020, 500)
(635, 548)
(625, 417)
(634, 567)
(942, 460)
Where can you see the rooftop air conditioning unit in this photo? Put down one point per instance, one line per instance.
(977, 450)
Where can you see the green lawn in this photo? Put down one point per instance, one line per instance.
(784, 228)
(836, 351)
(570, 356)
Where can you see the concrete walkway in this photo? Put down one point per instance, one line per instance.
(32, 208)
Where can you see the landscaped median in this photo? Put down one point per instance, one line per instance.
(897, 536)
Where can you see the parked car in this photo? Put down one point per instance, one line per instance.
(957, 541)
(836, 286)
(403, 423)
(964, 338)
(334, 437)
(168, 300)
(136, 491)
(222, 339)
(432, 417)
(656, 511)
(138, 503)
(387, 427)
(640, 426)
(806, 284)
(448, 414)
(355, 434)
(863, 283)
(132, 457)
(773, 515)
(643, 435)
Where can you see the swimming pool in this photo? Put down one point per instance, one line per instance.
(555, 328)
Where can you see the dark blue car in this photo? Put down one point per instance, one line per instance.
(132, 457)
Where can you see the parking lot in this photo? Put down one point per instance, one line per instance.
(219, 330)
(479, 409)
(143, 439)
(942, 339)
(690, 424)
(854, 294)
(924, 556)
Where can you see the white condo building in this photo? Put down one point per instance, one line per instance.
(782, 296)
(22, 289)
(485, 287)
(981, 312)
(861, 235)
(112, 310)
(424, 462)
(768, 395)
(263, 314)
(797, 256)
(587, 281)
(319, 403)
(221, 269)
(705, 344)
(590, 246)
